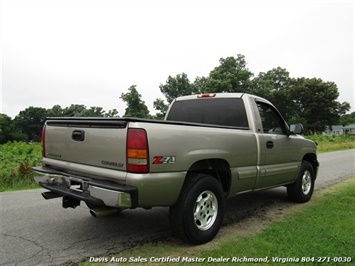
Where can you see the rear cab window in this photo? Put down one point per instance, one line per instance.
(214, 111)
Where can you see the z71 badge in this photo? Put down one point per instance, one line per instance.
(164, 159)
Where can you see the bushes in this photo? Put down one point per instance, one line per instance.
(16, 162)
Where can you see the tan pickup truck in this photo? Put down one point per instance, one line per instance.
(209, 148)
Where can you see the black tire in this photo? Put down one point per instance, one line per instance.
(203, 193)
(302, 189)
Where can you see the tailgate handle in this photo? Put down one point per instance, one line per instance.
(78, 135)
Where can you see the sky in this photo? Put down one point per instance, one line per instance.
(89, 52)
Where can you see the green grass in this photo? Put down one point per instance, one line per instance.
(322, 229)
(16, 162)
(333, 143)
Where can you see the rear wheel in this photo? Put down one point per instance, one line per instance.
(302, 189)
(198, 214)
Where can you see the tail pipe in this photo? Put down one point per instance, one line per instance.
(100, 212)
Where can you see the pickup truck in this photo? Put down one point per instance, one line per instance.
(209, 148)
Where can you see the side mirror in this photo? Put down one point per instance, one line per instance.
(296, 129)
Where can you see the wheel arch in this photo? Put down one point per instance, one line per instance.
(217, 168)
(312, 158)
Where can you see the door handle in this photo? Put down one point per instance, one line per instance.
(269, 144)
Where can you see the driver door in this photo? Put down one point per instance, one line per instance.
(279, 153)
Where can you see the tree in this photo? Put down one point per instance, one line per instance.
(93, 111)
(231, 75)
(275, 86)
(135, 106)
(7, 129)
(30, 122)
(174, 87)
(347, 119)
(200, 84)
(55, 111)
(160, 106)
(74, 110)
(112, 113)
(315, 101)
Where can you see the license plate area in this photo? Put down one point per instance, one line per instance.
(71, 182)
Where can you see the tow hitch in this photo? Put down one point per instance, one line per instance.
(69, 202)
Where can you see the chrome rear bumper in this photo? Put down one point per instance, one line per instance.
(93, 192)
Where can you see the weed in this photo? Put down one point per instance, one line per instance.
(16, 162)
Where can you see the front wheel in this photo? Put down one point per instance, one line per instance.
(198, 214)
(302, 189)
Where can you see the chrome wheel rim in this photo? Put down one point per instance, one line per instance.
(205, 210)
(306, 182)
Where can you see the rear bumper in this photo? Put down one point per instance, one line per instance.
(93, 192)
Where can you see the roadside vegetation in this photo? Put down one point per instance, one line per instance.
(18, 158)
(318, 232)
(328, 143)
(16, 162)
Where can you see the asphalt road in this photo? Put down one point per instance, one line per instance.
(35, 231)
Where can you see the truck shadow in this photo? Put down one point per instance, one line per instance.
(77, 232)
(145, 225)
(253, 204)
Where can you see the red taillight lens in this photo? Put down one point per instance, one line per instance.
(43, 141)
(137, 151)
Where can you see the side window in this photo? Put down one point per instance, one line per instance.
(271, 120)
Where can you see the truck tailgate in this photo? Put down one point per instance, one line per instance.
(93, 142)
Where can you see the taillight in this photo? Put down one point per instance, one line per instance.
(137, 151)
(42, 141)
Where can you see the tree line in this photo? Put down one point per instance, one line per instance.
(310, 101)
